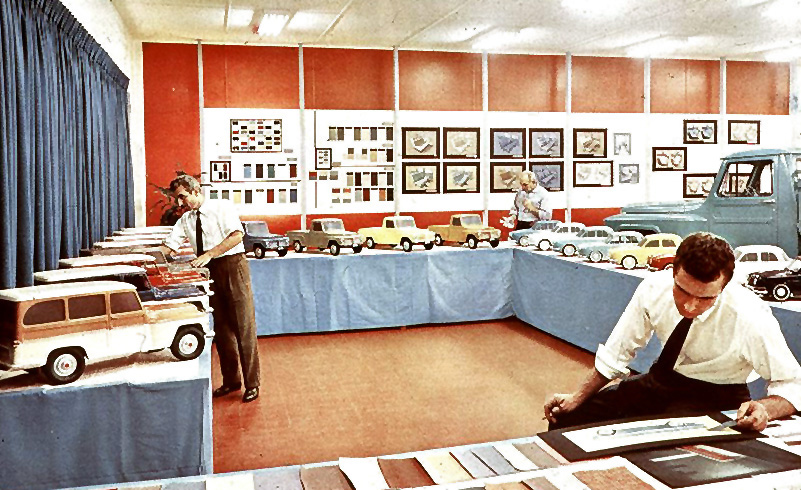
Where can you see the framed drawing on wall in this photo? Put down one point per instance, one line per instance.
(322, 159)
(461, 177)
(593, 174)
(700, 132)
(420, 142)
(420, 178)
(547, 142)
(504, 177)
(698, 185)
(744, 132)
(589, 143)
(462, 142)
(549, 174)
(508, 143)
(669, 158)
(629, 173)
(622, 142)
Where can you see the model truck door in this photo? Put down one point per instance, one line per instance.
(316, 238)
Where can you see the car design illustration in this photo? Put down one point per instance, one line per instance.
(521, 236)
(779, 285)
(259, 239)
(758, 258)
(591, 234)
(661, 262)
(543, 240)
(466, 228)
(398, 230)
(597, 252)
(326, 233)
(630, 257)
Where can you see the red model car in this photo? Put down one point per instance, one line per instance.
(660, 262)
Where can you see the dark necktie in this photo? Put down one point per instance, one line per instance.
(670, 352)
(199, 235)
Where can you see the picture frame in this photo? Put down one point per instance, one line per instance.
(697, 185)
(622, 143)
(700, 131)
(629, 173)
(504, 176)
(462, 143)
(420, 178)
(744, 132)
(550, 175)
(461, 178)
(420, 143)
(737, 184)
(546, 142)
(508, 143)
(589, 143)
(595, 173)
(669, 158)
(322, 159)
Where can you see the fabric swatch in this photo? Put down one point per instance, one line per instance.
(540, 483)
(492, 458)
(189, 485)
(404, 473)
(506, 486)
(472, 464)
(283, 479)
(537, 455)
(363, 473)
(619, 478)
(515, 457)
(323, 478)
(443, 468)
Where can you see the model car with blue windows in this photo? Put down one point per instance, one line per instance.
(543, 225)
(591, 234)
(543, 240)
(633, 256)
(259, 239)
(780, 285)
(597, 252)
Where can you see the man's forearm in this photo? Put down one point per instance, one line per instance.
(229, 242)
(591, 385)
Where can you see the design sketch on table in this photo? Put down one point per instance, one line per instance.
(667, 426)
(622, 143)
(546, 142)
(256, 135)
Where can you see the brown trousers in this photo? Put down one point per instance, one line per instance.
(234, 319)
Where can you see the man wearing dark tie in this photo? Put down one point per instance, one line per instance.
(714, 334)
(215, 232)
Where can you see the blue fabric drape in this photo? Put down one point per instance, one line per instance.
(65, 157)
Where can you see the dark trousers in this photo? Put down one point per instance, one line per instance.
(524, 225)
(234, 319)
(654, 394)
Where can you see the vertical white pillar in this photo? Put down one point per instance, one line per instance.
(304, 176)
(483, 166)
(567, 144)
(396, 140)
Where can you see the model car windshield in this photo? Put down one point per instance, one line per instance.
(333, 226)
(258, 229)
(471, 220)
(405, 223)
(795, 265)
(545, 225)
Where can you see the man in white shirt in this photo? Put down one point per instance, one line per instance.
(531, 202)
(731, 332)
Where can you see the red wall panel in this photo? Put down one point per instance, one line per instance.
(439, 81)
(607, 84)
(251, 76)
(754, 87)
(172, 118)
(354, 79)
(685, 86)
(526, 83)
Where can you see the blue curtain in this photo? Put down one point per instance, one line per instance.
(65, 159)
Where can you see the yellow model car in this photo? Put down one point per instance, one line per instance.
(637, 255)
(398, 230)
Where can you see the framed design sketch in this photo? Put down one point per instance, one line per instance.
(669, 158)
(462, 143)
(508, 143)
(420, 142)
(546, 142)
(589, 143)
(629, 173)
(700, 132)
(420, 178)
(504, 177)
(698, 185)
(549, 174)
(461, 177)
(744, 132)
(622, 142)
(593, 174)
(322, 159)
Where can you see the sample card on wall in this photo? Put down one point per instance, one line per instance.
(323, 159)
(255, 135)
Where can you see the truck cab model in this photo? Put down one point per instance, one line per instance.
(754, 200)
(466, 228)
(326, 233)
(259, 239)
(398, 230)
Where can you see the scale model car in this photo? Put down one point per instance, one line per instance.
(597, 252)
(326, 233)
(398, 230)
(661, 262)
(466, 228)
(521, 236)
(630, 257)
(591, 234)
(259, 239)
(780, 285)
(758, 258)
(543, 240)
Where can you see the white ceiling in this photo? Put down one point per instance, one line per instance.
(735, 29)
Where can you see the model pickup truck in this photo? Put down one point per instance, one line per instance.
(754, 200)
(466, 228)
(326, 233)
(55, 328)
(398, 230)
(259, 239)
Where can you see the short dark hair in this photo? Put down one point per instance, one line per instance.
(186, 181)
(705, 256)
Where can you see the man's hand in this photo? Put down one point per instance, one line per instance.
(529, 205)
(752, 415)
(202, 260)
(559, 404)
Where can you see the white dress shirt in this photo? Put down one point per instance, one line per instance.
(537, 196)
(219, 219)
(737, 335)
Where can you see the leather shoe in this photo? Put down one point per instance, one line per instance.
(225, 389)
(250, 394)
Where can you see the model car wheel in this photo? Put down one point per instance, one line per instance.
(438, 240)
(428, 246)
(369, 243)
(781, 292)
(357, 249)
(259, 251)
(525, 241)
(188, 343)
(544, 245)
(297, 246)
(628, 262)
(669, 266)
(494, 243)
(596, 256)
(472, 242)
(333, 247)
(406, 245)
(64, 366)
(282, 252)
(569, 250)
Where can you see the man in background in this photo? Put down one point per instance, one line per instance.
(531, 202)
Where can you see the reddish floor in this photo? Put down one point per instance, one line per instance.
(387, 391)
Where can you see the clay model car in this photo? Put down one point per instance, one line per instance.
(56, 328)
(597, 252)
(591, 234)
(780, 285)
(466, 228)
(109, 259)
(758, 258)
(326, 233)
(661, 262)
(630, 257)
(259, 239)
(398, 230)
(521, 236)
(543, 240)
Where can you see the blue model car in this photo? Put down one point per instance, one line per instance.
(521, 236)
(589, 235)
(597, 252)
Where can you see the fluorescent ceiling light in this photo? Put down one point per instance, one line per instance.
(272, 23)
(310, 21)
(656, 47)
(239, 17)
(495, 40)
(463, 34)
